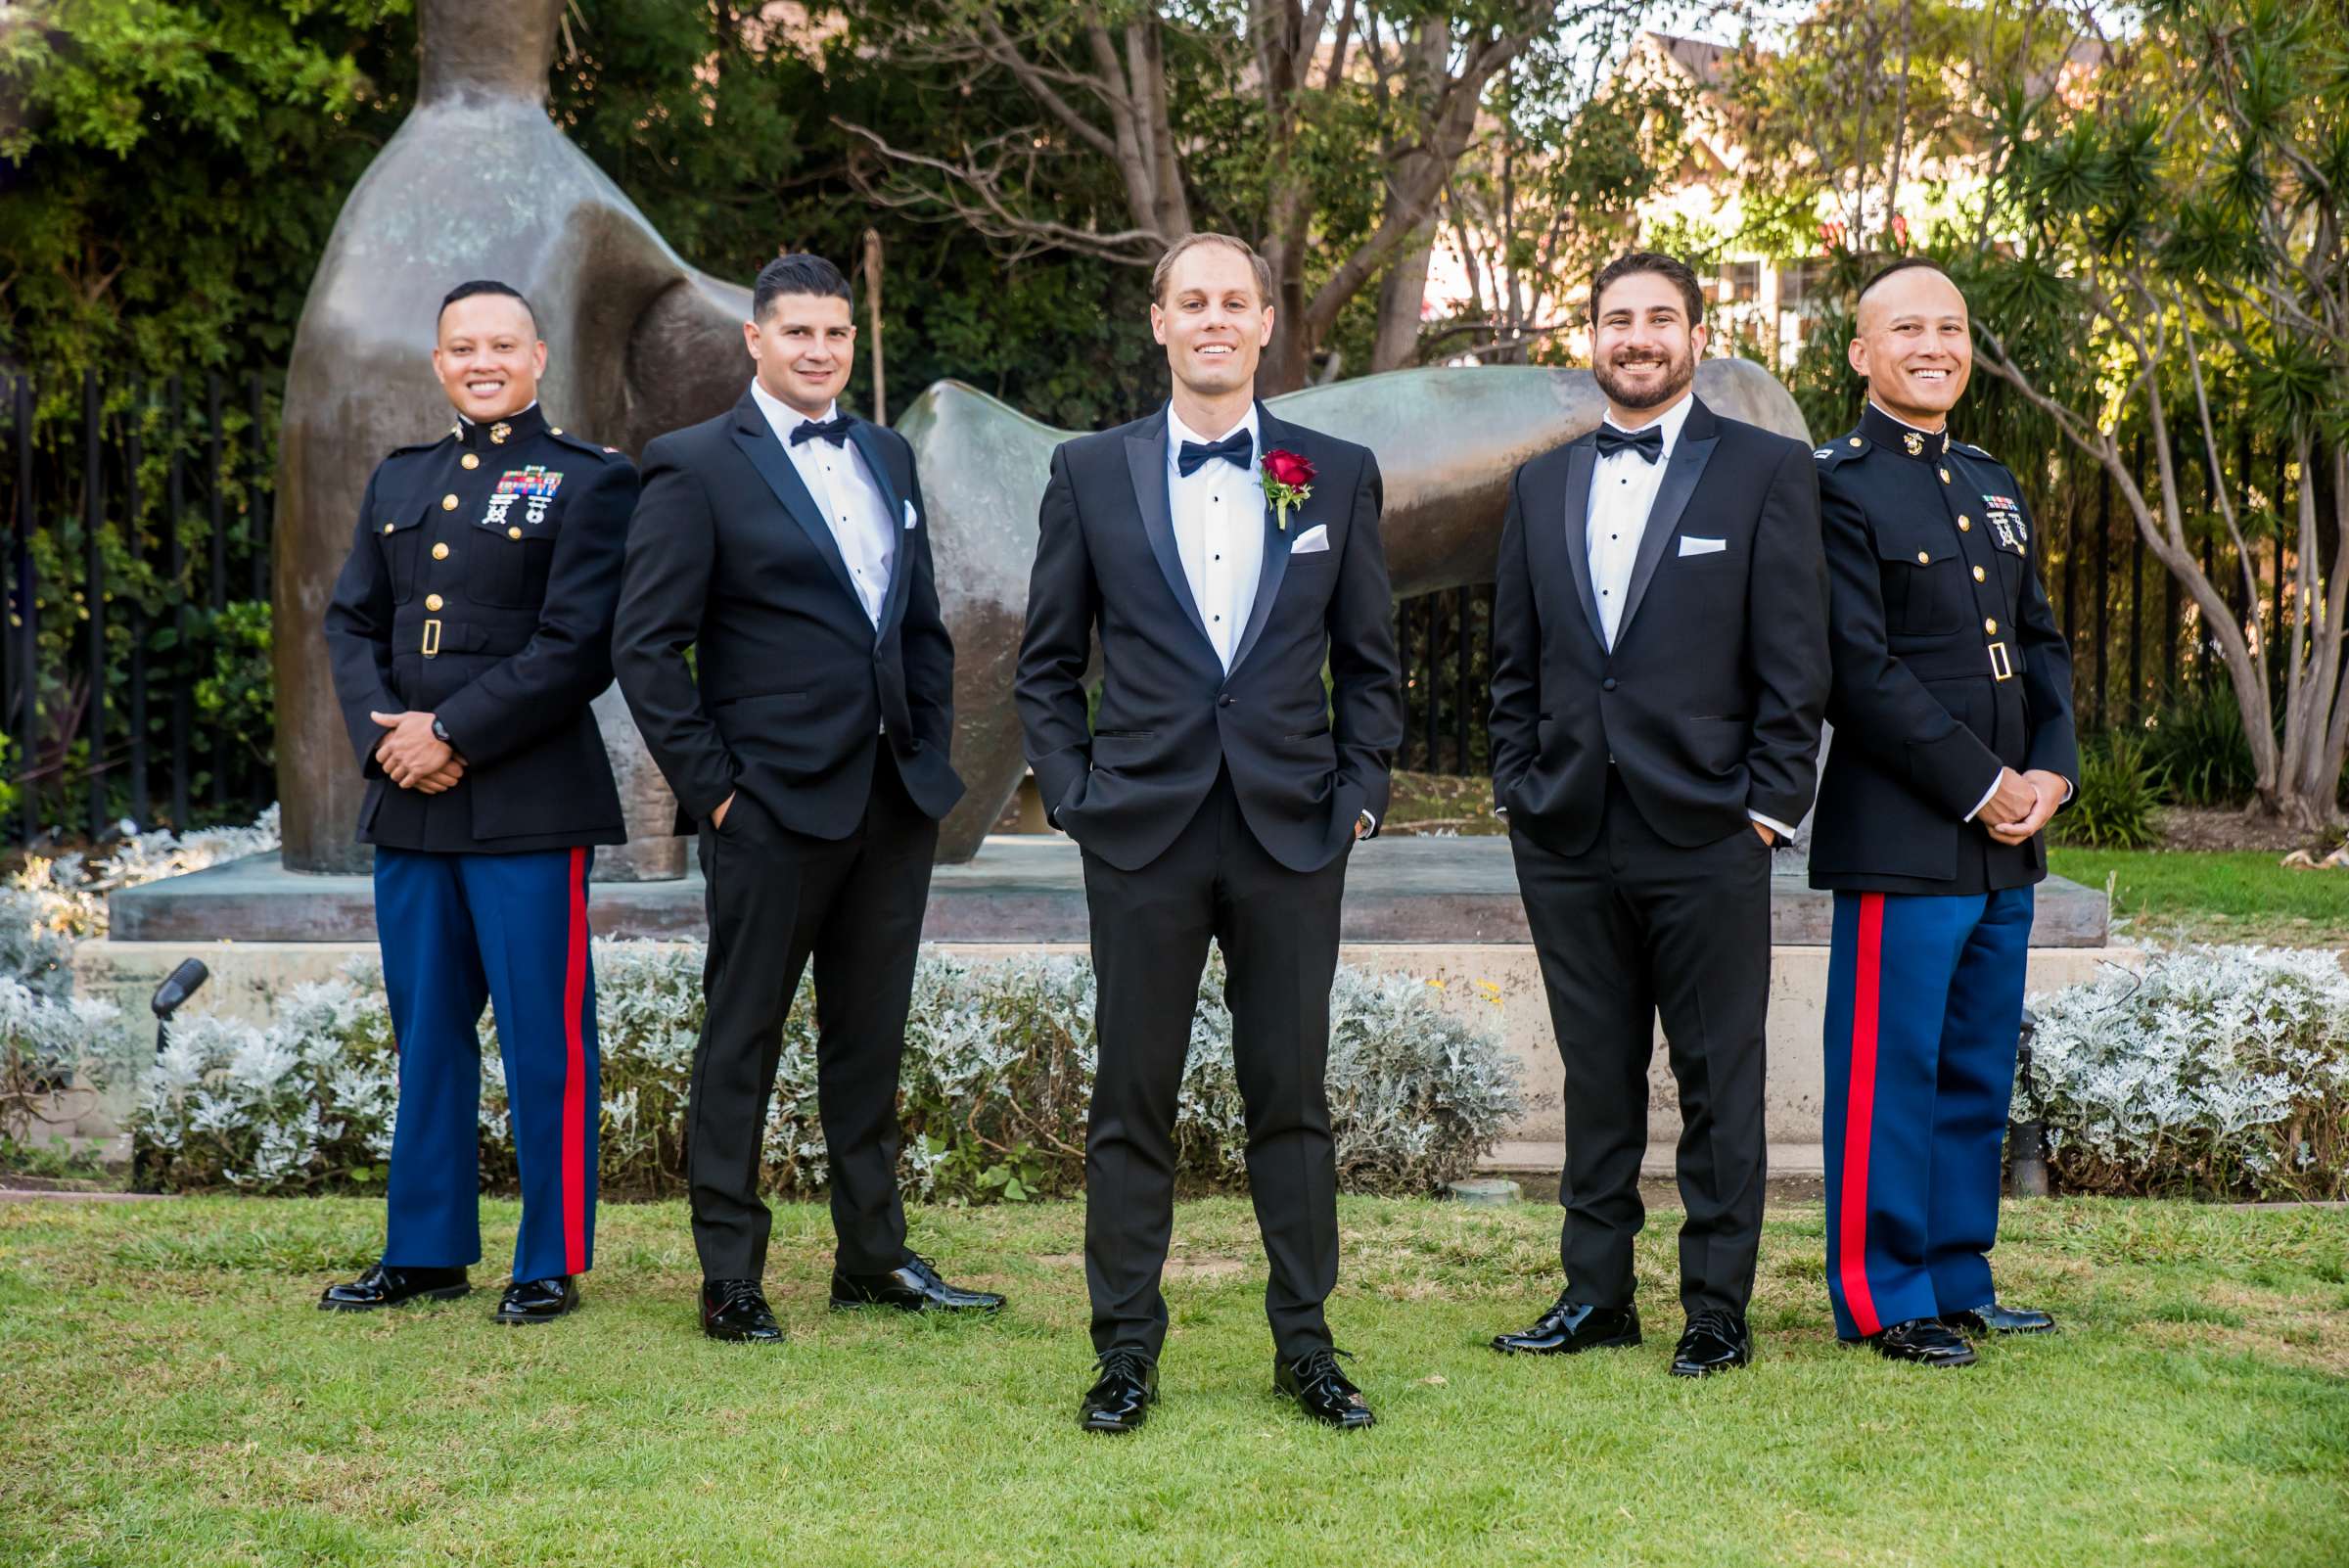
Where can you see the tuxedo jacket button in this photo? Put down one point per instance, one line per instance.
(1607, 684)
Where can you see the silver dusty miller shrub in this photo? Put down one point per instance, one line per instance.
(2220, 1072)
(998, 1067)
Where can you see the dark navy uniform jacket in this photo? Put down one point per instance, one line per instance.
(1948, 664)
(480, 586)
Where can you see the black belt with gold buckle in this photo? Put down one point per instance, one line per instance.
(2001, 668)
(431, 639)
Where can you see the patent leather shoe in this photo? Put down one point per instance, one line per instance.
(1570, 1326)
(383, 1285)
(1716, 1340)
(736, 1310)
(913, 1286)
(538, 1301)
(1321, 1391)
(1120, 1398)
(1992, 1319)
(1924, 1341)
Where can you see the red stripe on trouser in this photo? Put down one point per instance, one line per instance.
(1851, 1231)
(575, 1075)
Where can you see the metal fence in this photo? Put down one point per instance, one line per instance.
(134, 662)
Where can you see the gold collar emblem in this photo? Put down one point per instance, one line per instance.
(499, 432)
(1914, 442)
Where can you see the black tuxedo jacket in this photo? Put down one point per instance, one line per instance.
(1709, 703)
(1304, 760)
(792, 687)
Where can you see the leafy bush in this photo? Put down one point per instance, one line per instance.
(999, 1068)
(2221, 1072)
(49, 1048)
(2197, 748)
(2113, 808)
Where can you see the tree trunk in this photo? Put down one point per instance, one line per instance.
(1396, 347)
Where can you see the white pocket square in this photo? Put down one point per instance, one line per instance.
(1690, 545)
(1312, 540)
(909, 514)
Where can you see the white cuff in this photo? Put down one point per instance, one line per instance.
(1370, 821)
(1986, 795)
(1772, 823)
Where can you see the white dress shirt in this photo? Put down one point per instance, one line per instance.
(852, 505)
(1622, 491)
(1218, 514)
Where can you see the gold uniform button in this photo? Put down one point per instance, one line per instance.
(1965, 525)
(1857, 442)
(440, 553)
(431, 601)
(513, 533)
(1991, 627)
(1979, 574)
(469, 460)
(554, 430)
(1945, 475)
(388, 527)
(448, 503)
(1924, 558)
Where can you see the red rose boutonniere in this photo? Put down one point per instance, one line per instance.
(1288, 481)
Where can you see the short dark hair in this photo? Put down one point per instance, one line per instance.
(466, 291)
(1901, 263)
(1665, 266)
(799, 273)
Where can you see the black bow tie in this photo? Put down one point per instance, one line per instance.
(834, 430)
(1238, 448)
(1648, 443)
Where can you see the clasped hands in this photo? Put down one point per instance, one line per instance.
(2021, 803)
(413, 756)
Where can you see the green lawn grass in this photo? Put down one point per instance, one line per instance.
(173, 1396)
(2208, 896)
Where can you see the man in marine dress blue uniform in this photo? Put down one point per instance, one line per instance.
(1953, 746)
(469, 631)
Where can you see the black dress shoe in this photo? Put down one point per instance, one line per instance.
(1992, 1319)
(1715, 1340)
(1120, 1398)
(384, 1286)
(538, 1301)
(913, 1286)
(1570, 1326)
(1321, 1391)
(736, 1309)
(1924, 1341)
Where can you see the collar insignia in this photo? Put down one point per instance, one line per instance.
(1914, 442)
(499, 432)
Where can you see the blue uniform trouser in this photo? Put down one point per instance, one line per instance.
(458, 929)
(1924, 1009)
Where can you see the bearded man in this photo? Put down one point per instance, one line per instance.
(1659, 671)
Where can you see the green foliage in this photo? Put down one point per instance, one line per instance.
(239, 697)
(2114, 806)
(2196, 747)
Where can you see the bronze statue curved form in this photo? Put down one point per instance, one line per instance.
(480, 183)
(1447, 442)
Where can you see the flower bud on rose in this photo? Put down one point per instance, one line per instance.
(1288, 468)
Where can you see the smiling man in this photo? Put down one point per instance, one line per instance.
(1953, 746)
(1222, 557)
(784, 543)
(1659, 663)
(469, 631)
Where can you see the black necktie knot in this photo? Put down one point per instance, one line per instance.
(1238, 448)
(1648, 443)
(834, 430)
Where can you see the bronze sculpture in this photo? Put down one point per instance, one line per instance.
(640, 342)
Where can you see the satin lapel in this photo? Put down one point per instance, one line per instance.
(1272, 435)
(1687, 465)
(869, 448)
(1146, 463)
(758, 443)
(1576, 535)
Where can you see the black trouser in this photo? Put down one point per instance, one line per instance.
(1629, 929)
(854, 904)
(1278, 930)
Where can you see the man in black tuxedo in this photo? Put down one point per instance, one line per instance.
(785, 544)
(1215, 794)
(1659, 669)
